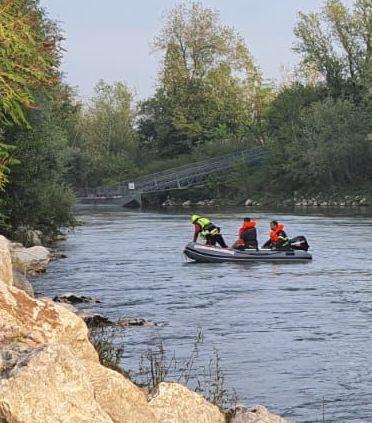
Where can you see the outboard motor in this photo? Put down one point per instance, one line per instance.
(299, 243)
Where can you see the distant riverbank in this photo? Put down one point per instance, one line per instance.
(204, 197)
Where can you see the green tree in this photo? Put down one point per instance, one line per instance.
(37, 195)
(323, 146)
(29, 56)
(105, 145)
(318, 132)
(29, 59)
(6, 160)
(209, 87)
(338, 43)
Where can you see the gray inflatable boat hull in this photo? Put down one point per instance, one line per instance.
(207, 254)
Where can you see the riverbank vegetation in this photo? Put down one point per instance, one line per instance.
(35, 116)
(211, 98)
(157, 365)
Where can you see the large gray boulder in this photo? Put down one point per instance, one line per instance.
(32, 260)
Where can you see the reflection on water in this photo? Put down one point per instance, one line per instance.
(288, 334)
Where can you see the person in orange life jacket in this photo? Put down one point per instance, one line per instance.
(247, 235)
(278, 238)
(207, 230)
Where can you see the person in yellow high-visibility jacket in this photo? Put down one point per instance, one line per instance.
(207, 230)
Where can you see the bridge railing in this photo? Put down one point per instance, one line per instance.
(224, 159)
(179, 177)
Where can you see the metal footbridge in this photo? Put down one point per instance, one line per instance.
(129, 192)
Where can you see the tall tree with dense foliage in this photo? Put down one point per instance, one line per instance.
(105, 145)
(35, 111)
(337, 42)
(29, 59)
(29, 56)
(322, 146)
(6, 160)
(209, 86)
(37, 195)
(319, 131)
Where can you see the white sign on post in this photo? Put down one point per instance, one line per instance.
(131, 185)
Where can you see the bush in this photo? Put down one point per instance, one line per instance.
(37, 195)
(108, 342)
(157, 365)
(328, 147)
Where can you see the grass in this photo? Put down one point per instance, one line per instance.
(109, 344)
(157, 365)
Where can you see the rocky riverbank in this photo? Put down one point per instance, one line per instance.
(321, 201)
(49, 370)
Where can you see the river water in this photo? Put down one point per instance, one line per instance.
(288, 335)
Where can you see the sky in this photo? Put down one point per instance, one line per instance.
(111, 39)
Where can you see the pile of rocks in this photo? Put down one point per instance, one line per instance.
(297, 201)
(347, 201)
(94, 320)
(30, 237)
(70, 298)
(27, 262)
(170, 202)
(251, 203)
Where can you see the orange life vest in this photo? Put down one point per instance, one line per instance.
(274, 235)
(246, 226)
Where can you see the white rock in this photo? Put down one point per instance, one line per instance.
(38, 323)
(47, 384)
(6, 268)
(33, 259)
(174, 403)
(363, 202)
(28, 236)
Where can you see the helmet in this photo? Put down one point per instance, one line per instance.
(194, 218)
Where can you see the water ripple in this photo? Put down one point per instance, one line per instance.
(289, 335)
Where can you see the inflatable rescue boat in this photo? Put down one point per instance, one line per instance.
(210, 254)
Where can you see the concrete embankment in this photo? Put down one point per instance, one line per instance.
(49, 370)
